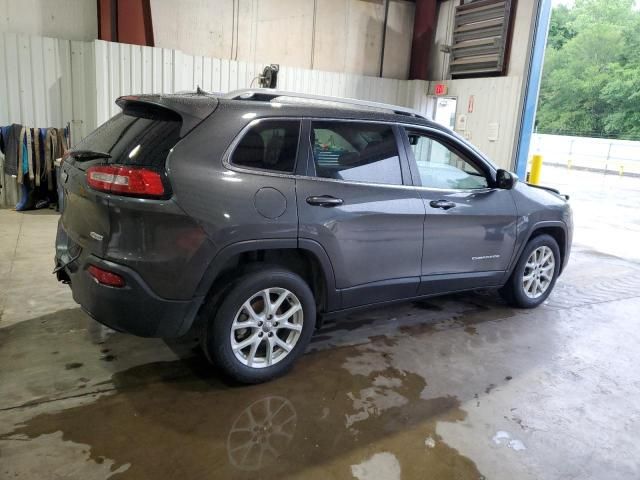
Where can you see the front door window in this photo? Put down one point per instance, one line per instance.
(440, 167)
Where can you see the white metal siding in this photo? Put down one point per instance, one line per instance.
(123, 69)
(49, 82)
(496, 101)
(44, 82)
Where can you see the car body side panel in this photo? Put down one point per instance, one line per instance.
(160, 242)
(226, 201)
(153, 237)
(309, 246)
(536, 209)
(373, 237)
(476, 235)
(376, 234)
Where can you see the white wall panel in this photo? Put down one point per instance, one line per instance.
(49, 82)
(45, 82)
(134, 69)
(496, 101)
(68, 19)
(339, 35)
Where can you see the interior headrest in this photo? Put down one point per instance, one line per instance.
(349, 158)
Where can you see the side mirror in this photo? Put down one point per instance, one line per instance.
(505, 179)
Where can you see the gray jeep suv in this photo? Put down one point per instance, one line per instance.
(259, 213)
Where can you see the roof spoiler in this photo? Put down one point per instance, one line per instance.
(191, 108)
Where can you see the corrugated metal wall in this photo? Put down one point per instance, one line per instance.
(45, 82)
(49, 82)
(123, 69)
(496, 103)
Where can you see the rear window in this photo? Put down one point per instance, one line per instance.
(141, 137)
(269, 145)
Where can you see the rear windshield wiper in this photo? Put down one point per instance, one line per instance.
(84, 155)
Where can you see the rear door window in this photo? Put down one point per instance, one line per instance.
(142, 137)
(356, 151)
(269, 145)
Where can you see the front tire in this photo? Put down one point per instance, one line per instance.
(535, 273)
(263, 324)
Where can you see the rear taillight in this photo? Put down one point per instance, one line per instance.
(105, 277)
(121, 180)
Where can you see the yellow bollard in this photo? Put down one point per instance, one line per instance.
(536, 168)
(569, 164)
(621, 169)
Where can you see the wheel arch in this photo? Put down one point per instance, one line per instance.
(307, 258)
(558, 233)
(556, 229)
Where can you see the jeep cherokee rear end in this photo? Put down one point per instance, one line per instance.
(132, 255)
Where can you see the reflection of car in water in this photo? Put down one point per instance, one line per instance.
(261, 433)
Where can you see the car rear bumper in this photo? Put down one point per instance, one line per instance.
(134, 308)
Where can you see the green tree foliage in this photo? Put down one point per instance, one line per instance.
(591, 76)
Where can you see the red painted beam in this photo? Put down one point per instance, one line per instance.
(125, 21)
(134, 22)
(424, 28)
(107, 21)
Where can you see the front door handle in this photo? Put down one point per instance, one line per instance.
(443, 204)
(324, 201)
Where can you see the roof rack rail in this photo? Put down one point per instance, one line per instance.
(268, 94)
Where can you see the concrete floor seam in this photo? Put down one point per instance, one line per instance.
(61, 399)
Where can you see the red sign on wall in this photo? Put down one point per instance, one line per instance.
(440, 89)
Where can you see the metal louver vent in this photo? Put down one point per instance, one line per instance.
(480, 38)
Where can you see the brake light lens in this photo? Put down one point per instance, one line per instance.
(105, 277)
(121, 180)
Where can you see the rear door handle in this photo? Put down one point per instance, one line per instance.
(324, 201)
(443, 204)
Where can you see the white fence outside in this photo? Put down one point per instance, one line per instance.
(600, 154)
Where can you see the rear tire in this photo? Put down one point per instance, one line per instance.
(535, 274)
(262, 325)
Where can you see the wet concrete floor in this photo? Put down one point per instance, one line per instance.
(459, 387)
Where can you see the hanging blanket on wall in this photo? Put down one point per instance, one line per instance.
(30, 155)
(10, 147)
(55, 146)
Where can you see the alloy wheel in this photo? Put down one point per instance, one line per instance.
(538, 272)
(267, 327)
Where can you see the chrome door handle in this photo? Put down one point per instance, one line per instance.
(324, 201)
(443, 204)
